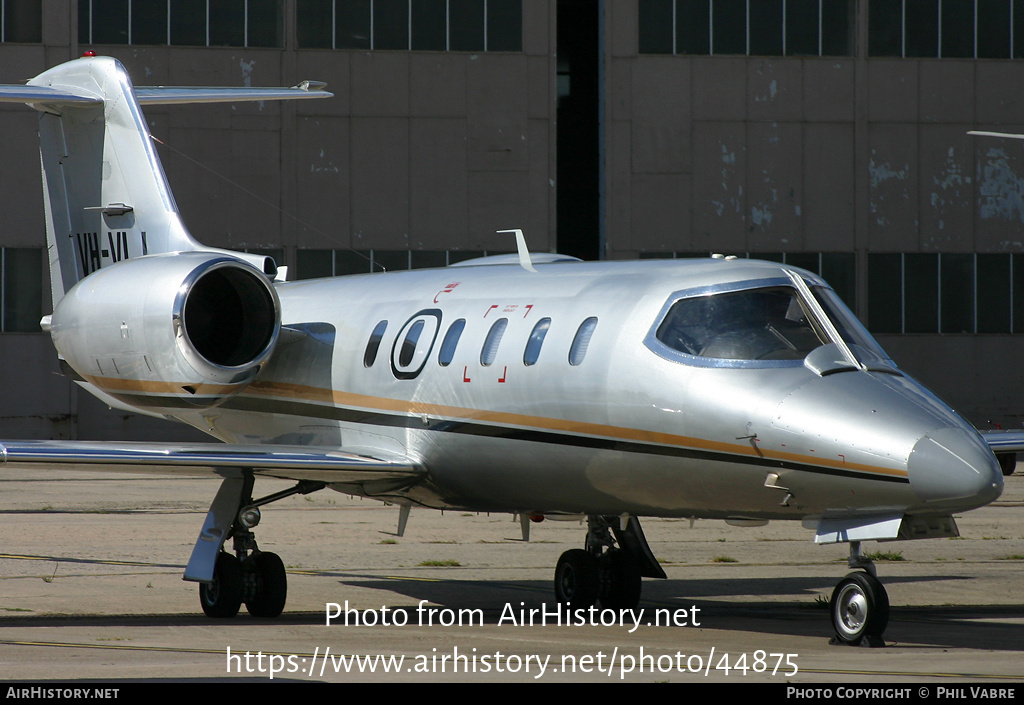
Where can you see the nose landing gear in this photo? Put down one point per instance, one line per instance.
(859, 605)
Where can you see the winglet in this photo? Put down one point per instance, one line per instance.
(524, 254)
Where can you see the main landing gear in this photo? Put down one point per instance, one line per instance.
(860, 605)
(609, 569)
(246, 575)
(254, 577)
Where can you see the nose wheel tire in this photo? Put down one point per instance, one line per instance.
(577, 579)
(222, 597)
(860, 610)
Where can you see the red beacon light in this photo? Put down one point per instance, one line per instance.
(89, 53)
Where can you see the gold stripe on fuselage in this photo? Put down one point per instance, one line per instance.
(417, 408)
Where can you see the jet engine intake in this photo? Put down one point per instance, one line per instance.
(197, 326)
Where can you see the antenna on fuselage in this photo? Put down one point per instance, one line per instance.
(524, 254)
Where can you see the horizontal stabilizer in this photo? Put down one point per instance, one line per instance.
(205, 459)
(172, 95)
(47, 95)
(161, 95)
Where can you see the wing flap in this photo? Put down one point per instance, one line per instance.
(204, 459)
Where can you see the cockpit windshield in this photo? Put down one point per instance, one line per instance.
(851, 329)
(757, 324)
(770, 323)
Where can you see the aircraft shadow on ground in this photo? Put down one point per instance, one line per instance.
(967, 626)
(972, 626)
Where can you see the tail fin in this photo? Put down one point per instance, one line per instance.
(105, 192)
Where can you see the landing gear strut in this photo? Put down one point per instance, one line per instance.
(859, 605)
(246, 575)
(609, 569)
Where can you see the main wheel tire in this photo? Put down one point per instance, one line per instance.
(271, 586)
(622, 581)
(860, 609)
(577, 579)
(222, 597)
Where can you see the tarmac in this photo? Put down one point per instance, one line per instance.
(91, 592)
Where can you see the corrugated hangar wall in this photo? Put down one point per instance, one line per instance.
(857, 165)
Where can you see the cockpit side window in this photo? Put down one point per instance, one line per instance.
(768, 323)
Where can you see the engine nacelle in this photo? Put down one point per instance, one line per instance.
(156, 331)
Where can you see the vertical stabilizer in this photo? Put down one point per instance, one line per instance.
(104, 190)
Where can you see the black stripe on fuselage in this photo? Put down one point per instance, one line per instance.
(487, 430)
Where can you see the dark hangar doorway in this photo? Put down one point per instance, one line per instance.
(578, 169)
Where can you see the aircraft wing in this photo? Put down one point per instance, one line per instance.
(206, 459)
(1004, 441)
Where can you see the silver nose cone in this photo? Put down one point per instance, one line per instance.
(953, 466)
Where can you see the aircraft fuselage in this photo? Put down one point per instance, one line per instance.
(627, 429)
